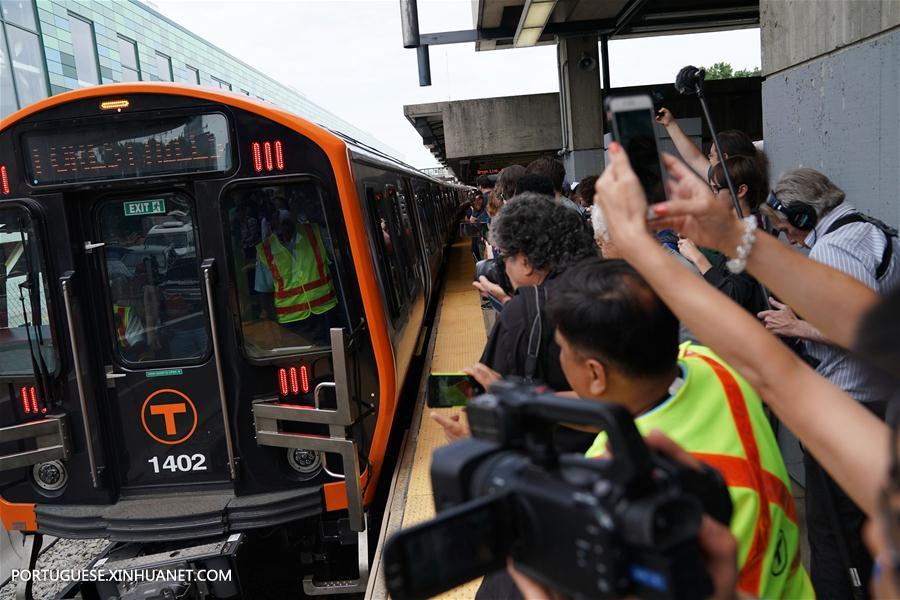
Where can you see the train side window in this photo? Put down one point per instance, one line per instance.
(426, 218)
(402, 224)
(387, 244)
(153, 273)
(24, 306)
(434, 215)
(288, 290)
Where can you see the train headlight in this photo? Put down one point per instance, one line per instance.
(51, 475)
(307, 462)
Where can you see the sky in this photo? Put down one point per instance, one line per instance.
(348, 56)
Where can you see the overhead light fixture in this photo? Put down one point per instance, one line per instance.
(535, 15)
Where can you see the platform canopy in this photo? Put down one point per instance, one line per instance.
(510, 24)
(500, 24)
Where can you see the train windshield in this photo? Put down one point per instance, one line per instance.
(26, 340)
(287, 287)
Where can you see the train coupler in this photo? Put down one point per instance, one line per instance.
(313, 586)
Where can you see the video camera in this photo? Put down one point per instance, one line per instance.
(493, 270)
(587, 528)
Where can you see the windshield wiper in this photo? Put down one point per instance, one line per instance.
(38, 366)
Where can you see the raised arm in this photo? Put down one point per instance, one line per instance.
(798, 281)
(688, 150)
(791, 389)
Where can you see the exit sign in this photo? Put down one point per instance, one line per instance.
(138, 208)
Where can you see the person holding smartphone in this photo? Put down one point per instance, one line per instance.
(733, 142)
(752, 189)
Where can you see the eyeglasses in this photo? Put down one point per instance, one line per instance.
(716, 188)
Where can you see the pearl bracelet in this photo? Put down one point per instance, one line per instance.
(739, 262)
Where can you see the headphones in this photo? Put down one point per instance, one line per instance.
(800, 215)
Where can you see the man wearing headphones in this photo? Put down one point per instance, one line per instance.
(810, 210)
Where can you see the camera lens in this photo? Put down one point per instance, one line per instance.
(662, 523)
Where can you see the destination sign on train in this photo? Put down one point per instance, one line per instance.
(144, 148)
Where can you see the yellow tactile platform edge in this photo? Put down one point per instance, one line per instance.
(459, 342)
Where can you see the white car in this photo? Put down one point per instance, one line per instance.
(178, 235)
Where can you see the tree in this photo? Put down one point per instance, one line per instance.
(723, 70)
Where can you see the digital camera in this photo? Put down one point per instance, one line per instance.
(588, 528)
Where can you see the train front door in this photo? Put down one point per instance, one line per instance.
(162, 397)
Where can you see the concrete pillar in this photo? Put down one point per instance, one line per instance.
(580, 106)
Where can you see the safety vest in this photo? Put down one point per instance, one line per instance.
(302, 283)
(719, 419)
(122, 314)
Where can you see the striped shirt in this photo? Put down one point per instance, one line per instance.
(856, 249)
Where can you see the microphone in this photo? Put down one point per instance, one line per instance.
(689, 80)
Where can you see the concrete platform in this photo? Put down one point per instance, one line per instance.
(458, 342)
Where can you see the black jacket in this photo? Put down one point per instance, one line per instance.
(742, 288)
(507, 344)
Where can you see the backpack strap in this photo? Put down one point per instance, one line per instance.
(889, 232)
(535, 298)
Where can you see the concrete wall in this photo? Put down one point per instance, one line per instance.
(839, 113)
(794, 31)
(500, 125)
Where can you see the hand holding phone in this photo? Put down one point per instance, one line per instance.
(634, 127)
(451, 389)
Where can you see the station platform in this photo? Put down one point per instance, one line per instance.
(458, 341)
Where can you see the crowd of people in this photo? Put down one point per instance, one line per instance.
(698, 319)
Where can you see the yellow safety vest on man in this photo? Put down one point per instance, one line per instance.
(719, 419)
(122, 315)
(302, 283)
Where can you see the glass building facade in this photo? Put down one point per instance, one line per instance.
(53, 46)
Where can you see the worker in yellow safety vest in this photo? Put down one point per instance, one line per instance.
(292, 269)
(127, 322)
(619, 342)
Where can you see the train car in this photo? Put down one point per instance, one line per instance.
(208, 307)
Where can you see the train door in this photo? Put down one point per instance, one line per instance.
(153, 340)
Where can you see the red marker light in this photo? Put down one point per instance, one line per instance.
(295, 385)
(26, 405)
(267, 151)
(304, 379)
(257, 157)
(279, 156)
(4, 180)
(283, 382)
(34, 400)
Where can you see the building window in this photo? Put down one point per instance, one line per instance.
(19, 12)
(163, 67)
(222, 84)
(7, 98)
(128, 56)
(86, 66)
(193, 74)
(27, 65)
(23, 78)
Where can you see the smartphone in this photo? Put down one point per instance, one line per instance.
(634, 127)
(450, 389)
(475, 230)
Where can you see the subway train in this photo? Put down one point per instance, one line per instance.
(208, 306)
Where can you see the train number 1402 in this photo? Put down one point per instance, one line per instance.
(181, 462)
